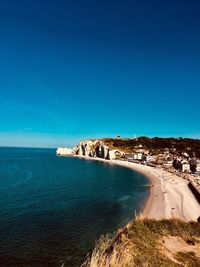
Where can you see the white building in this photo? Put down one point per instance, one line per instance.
(185, 166)
(198, 167)
(138, 156)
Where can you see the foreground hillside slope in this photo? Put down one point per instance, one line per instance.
(152, 243)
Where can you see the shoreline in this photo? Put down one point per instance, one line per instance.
(169, 195)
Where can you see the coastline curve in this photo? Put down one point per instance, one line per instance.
(169, 195)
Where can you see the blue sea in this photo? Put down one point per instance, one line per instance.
(53, 209)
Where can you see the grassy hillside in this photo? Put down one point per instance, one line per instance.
(156, 144)
(150, 243)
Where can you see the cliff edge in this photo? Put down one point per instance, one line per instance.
(92, 148)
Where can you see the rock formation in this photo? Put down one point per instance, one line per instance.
(64, 151)
(92, 148)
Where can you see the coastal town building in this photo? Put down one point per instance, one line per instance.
(138, 156)
(198, 167)
(185, 166)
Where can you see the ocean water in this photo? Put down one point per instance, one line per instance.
(53, 209)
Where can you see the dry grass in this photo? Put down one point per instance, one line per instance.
(141, 243)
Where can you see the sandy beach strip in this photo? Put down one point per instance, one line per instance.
(169, 195)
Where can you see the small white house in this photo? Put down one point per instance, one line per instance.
(138, 156)
(185, 166)
(198, 167)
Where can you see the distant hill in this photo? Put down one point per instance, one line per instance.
(156, 145)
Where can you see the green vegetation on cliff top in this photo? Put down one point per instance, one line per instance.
(150, 243)
(156, 144)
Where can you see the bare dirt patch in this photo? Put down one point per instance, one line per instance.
(171, 246)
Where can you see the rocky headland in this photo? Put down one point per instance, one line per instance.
(92, 148)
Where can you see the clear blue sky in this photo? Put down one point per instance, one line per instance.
(71, 70)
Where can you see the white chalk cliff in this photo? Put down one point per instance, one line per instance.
(64, 151)
(91, 148)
